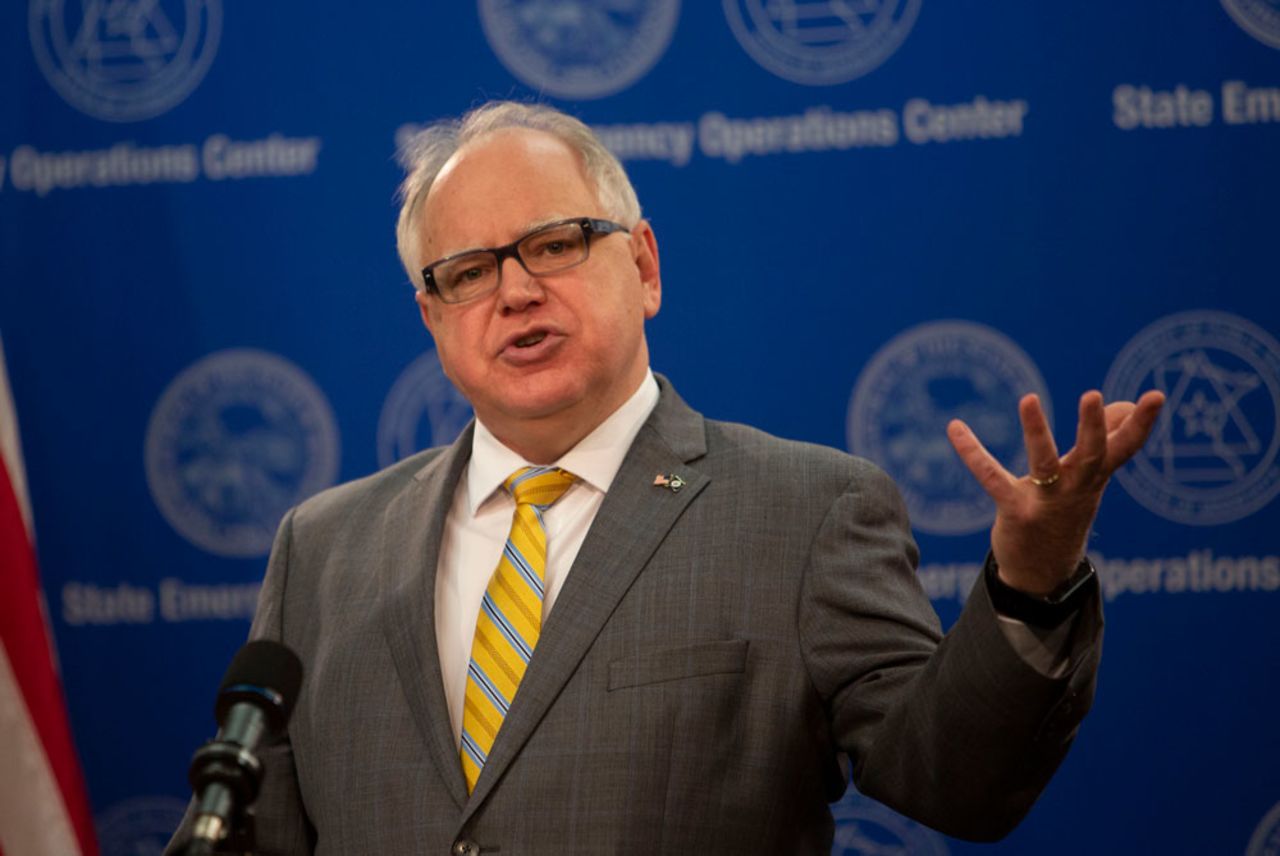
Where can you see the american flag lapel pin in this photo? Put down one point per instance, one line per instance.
(671, 482)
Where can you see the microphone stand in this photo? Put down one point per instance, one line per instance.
(227, 776)
(241, 838)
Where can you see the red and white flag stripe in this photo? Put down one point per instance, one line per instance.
(43, 807)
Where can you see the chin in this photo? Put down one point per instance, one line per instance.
(538, 397)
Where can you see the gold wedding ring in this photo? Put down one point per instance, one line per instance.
(1046, 481)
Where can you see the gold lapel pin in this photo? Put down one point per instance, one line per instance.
(672, 482)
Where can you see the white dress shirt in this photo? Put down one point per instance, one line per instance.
(479, 520)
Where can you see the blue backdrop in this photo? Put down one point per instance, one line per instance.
(872, 217)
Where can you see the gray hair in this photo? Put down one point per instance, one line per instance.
(426, 152)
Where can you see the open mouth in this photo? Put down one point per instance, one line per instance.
(530, 340)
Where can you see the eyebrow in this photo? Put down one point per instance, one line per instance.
(527, 228)
(535, 225)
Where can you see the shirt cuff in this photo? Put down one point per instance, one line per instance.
(1048, 651)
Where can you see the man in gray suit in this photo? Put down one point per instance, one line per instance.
(695, 629)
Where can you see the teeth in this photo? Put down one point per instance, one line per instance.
(531, 339)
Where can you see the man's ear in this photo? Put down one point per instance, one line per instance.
(644, 250)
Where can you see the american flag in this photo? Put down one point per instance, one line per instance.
(44, 810)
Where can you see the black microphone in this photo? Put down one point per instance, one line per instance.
(253, 706)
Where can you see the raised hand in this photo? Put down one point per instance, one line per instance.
(1043, 518)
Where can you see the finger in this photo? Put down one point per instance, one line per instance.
(1128, 438)
(1091, 434)
(1042, 452)
(1117, 412)
(994, 478)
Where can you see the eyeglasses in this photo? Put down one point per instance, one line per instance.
(548, 249)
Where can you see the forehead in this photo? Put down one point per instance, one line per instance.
(495, 188)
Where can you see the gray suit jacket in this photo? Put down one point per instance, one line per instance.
(714, 654)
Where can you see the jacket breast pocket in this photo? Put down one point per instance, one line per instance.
(672, 664)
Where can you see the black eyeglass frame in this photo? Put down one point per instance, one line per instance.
(590, 226)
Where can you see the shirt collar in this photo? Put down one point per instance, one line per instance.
(595, 460)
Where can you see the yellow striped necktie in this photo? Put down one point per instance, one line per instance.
(510, 619)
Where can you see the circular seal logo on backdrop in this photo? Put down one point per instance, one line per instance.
(138, 827)
(866, 828)
(236, 440)
(579, 48)
(1258, 18)
(1266, 838)
(913, 387)
(1212, 457)
(422, 410)
(820, 42)
(124, 60)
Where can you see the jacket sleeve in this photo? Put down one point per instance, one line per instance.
(957, 731)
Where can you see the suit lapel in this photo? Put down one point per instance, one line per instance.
(632, 522)
(412, 531)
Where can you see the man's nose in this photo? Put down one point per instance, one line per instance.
(518, 288)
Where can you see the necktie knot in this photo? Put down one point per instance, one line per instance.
(540, 486)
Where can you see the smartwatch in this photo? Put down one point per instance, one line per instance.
(1045, 612)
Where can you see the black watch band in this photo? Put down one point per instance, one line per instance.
(1045, 612)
